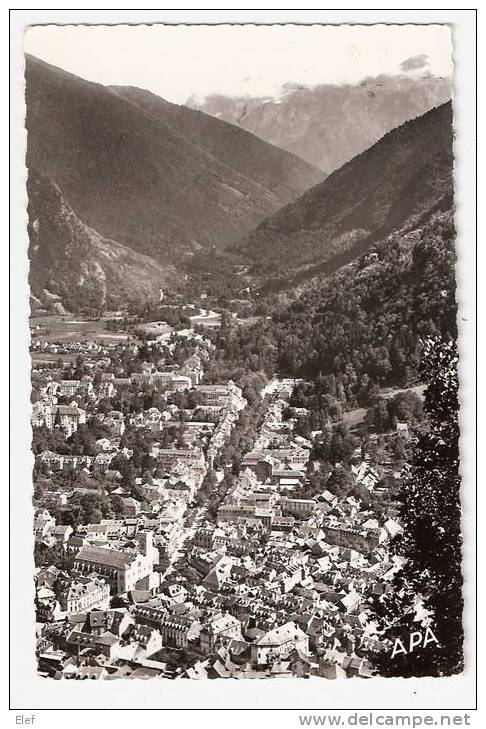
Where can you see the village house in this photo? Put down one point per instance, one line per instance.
(219, 394)
(176, 631)
(216, 628)
(118, 622)
(61, 462)
(279, 642)
(83, 594)
(362, 540)
(68, 417)
(167, 458)
(300, 508)
(102, 462)
(43, 523)
(115, 422)
(68, 388)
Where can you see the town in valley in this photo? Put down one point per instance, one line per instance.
(244, 393)
(192, 526)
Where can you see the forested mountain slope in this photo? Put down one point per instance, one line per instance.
(361, 328)
(145, 179)
(401, 179)
(369, 316)
(72, 263)
(284, 174)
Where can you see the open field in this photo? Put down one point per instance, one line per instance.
(418, 389)
(43, 357)
(353, 418)
(68, 328)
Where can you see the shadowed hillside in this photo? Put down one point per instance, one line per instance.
(402, 177)
(146, 180)
(73, 264)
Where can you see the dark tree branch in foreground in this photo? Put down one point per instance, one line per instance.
(431, 578)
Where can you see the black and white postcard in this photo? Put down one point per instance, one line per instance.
(245, 455)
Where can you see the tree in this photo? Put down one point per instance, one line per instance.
(377, 417)
(80, 368)
(399, 450)
(57, 419)
(339, 481)
(431, 540)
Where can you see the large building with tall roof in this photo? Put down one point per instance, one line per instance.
(121, 569)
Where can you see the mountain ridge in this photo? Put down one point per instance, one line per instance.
(138, 180)
(83, 270)
(405, 174)
(195, 125)
(328, 125)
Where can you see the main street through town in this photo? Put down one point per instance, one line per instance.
(191, 523)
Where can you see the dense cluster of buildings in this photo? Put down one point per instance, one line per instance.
(274, 585)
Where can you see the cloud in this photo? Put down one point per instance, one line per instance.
(176, 61)
(411, 64)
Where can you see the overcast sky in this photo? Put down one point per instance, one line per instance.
(176, 62)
